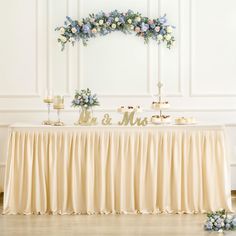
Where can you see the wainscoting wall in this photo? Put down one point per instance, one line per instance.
(198, 73)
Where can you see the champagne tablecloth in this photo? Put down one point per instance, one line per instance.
(65, 170)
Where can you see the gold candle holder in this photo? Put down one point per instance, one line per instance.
(48, 99)
(58, 104)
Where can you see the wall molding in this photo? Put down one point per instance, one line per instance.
(149, 59)
(36, 92)
(191, 57)
(179, 92)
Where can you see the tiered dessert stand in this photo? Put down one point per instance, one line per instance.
(160, 105)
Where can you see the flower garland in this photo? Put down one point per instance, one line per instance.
(105, 23)
(220, 221)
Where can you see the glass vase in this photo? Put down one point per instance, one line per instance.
(85, 116)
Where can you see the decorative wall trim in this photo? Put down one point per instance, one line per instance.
(179, 92)
(49, 80)
(36, 92)
(149, 59)
(191, 57)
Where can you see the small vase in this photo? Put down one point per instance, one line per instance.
(86, 116)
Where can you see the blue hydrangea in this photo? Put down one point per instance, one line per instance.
(101, 24)
(84, 98)
(220, 221)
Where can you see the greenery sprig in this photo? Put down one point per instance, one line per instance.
(105, 23)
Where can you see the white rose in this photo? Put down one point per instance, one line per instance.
(168, 37)
(73, 30)
(138, 19)
(113, 26)
(129, 21)
(100, 22)
(72, 39)
(116, 19)
(169, 29)
(80, 23)
(63, 39)
(62, 30)
(132, 27)
(160, 37)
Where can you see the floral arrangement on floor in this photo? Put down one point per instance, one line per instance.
(85, 99)
(220, 221)
(105, 23)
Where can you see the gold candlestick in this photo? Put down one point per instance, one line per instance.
(48, 99)
(159, 85)
(58, 104)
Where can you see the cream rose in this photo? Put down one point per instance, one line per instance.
(129, 21)
(73, 30)
(113, 26)
(80, 23)
(63, 39)
(116, 19)
(159, 37)
(101, 22)
(138, 19)
(137, 29)
(62, 30)
(94, 31)
(168, 37)
(169, 29)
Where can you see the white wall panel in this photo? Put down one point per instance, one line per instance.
(57, 60)
(169, 60)
(198, 73)
(213, 36)
(18, 48)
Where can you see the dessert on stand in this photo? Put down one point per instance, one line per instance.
(160, 105)
(185, 121)
(129, 109)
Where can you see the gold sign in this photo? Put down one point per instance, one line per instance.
(129, 119)
(106, 119)
(86, 118)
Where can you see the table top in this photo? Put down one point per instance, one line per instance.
(150, 126)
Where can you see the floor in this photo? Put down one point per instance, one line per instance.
(127, 225)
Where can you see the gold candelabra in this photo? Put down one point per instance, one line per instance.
(48, 99)
(58, 104)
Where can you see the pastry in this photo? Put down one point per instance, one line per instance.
(185, 120)
(123, 109)
(160, 105)
(160, 119)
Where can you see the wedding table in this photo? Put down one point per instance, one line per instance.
(100, 169)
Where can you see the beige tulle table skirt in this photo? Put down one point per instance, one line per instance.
(87, 170)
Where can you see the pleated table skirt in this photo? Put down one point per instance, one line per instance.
(100, 170)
